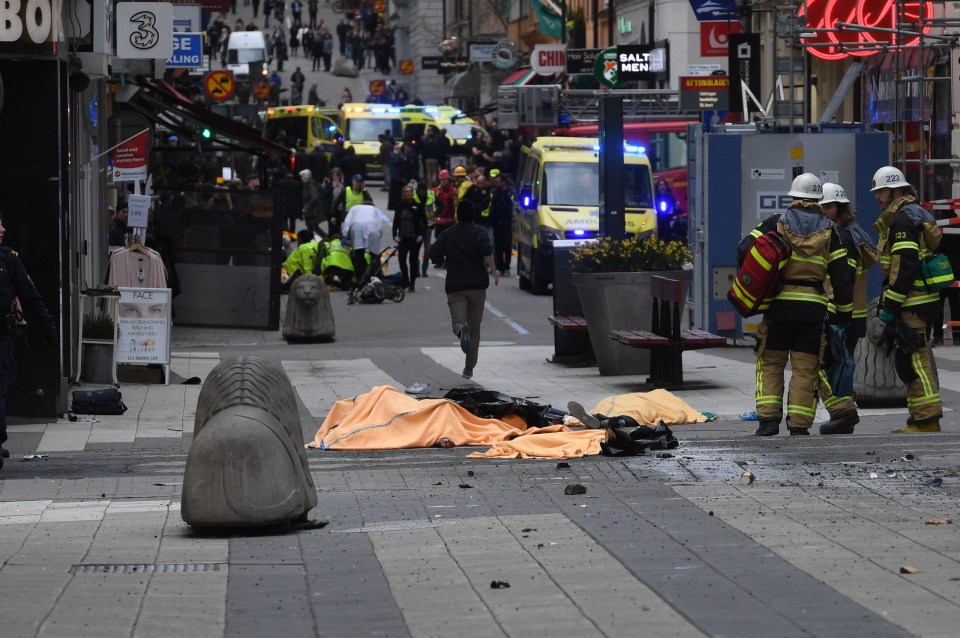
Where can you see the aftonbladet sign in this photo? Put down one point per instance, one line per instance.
(825, 14)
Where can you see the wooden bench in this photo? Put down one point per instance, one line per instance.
(666, 340)
(568, 323)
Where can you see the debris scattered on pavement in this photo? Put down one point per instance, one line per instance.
(908, 457)
(563, 465)
(748, 416)
(747, 478)
(465, 486)
(874, 475)
(528, 529)
(664, 455)
(871, 453)
(936, 481)
(499, 584)
(895, 475)
(444, 443)
(419, 388)
(909, 569)
(470, 473)
(573, 489)
(35, 457)
(439, 483)
(742, 463)
(940, 521)
(167, 484)
(710, 513)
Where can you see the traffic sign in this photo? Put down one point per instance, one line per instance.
(261, 89)
(377, 88)
(406, 67)
(219, 85)
(187, 51)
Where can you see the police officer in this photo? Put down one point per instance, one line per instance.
(353, 195)
(793, 325)
(861, 256)
(15, 283)
(908, 234)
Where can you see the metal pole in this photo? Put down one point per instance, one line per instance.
(611, 18)
(596, 23)
(612, 201)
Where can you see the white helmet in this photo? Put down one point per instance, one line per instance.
(888, 177)
(806, 186)
(834, 193)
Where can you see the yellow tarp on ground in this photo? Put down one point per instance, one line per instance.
(386, 419)
(649, 408)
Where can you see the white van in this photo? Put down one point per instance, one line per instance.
(247, 59)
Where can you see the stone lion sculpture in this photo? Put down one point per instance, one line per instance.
(247, 465)
(309, 315)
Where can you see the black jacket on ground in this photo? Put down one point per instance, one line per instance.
(463, 246)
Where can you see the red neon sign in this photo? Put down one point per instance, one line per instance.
(825, 14)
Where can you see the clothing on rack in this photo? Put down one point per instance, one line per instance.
(137, 267)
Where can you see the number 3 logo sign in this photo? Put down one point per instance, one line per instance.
(144, 30)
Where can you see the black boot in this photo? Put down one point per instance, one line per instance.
(768, 428)
(799, 431)
(841, 424)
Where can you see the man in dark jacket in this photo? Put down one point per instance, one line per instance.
(409, 227)
(292, 192)
(353, 164)
(501, 217)
(431, 152)
(464, 248)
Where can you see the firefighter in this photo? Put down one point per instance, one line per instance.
(908, 234)
(861, 256)
(792, 328)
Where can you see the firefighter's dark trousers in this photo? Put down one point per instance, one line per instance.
(801, 342)
(917, 373)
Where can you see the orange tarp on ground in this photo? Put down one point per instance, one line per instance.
(385, 419)
(649, 408)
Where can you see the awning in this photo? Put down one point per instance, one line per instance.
(161, 103)
(465, 84)
(520, 77)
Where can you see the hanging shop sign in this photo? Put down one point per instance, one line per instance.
(504, 54)
(130, 159)
(836, 45)
(633, 62)
(581, 60)
(715, 37)
(715, 9)
(548, 59)
(144, 30)
(36, 21)
(605, 67)
(710, 93)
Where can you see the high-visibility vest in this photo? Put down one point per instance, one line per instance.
(352, 199)
(430, 208)
(336, 254)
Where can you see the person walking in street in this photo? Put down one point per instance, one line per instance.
(446, 200)
(426, 198)
(466, 251)
(311, 202)
(431, 152)
(792, 328)
(409, 226)
(501, 218)
(908, 235)
(16, 284)
(836, 380)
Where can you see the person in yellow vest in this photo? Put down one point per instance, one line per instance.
(836, 380)
(303, 259)
(428, 199)
(349, 197)
(908, 235)
(792, 328)
(336, 264)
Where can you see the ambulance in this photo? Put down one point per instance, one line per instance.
(558, 192)
(363, 123)
(303, 126)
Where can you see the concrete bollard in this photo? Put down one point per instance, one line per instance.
(309, 316)
(247, 464)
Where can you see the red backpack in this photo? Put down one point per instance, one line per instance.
(759, 277)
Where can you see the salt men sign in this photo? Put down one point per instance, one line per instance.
(633, 63)
(36, 21)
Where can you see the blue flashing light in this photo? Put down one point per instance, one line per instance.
(331, 128)
(579, 232)
(596, 147)
(564, 119)
(663, 207)
(634, 149)
(393, 110)
(526, 201)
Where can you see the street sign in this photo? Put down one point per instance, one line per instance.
(711, 93)
(430, 62)
(377, 88)
(581, 60)
(406, 67)
(187, 51)
(605, 67)
(219, 85)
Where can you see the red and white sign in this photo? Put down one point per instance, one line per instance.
(548, 59)
(715, 37)
(130, 159)
(825, 14)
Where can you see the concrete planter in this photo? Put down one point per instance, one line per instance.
(620, 301)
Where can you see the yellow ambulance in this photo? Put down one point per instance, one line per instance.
(363, 123)
(303, 125)
(558, 193)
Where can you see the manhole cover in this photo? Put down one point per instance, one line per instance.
(144, 568)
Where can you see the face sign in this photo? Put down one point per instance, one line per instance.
(142, 310)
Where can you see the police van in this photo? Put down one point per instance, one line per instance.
(363, 123)
(558, 192)
(302, 126)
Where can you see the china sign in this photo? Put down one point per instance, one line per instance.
(548, 59)
(882, 14)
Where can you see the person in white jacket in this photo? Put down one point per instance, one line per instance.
(362, 228)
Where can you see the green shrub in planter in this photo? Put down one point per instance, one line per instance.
(98, 326)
